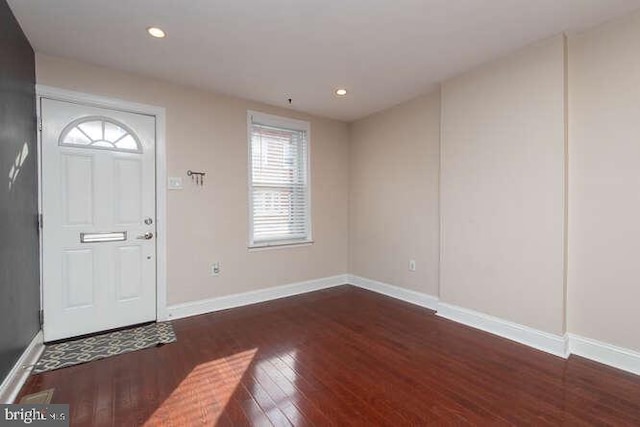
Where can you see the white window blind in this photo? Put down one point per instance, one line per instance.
(279, 180)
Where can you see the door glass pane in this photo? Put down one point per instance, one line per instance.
(113, 132)
(92, 129)
(101, 133)
(127, 143)
(76, 137)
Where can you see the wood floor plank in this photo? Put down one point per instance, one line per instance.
(339, 357)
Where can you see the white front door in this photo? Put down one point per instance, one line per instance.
(98, 205)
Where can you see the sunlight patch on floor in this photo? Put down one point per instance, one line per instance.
(204, 393)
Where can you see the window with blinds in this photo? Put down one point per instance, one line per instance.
(279, 180)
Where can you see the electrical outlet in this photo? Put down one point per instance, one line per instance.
(412, 265)
(215, 269)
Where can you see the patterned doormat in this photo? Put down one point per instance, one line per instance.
(97, 347)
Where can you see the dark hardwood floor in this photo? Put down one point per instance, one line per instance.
(342, 356)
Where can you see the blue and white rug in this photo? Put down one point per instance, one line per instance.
(69, 353)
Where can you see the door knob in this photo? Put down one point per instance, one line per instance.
(146, 236)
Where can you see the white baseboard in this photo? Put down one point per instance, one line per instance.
(618, 357)
(557, 345)
(20, 372)
(554, 344)
(413, 297)
(544, 341)
(195, 308)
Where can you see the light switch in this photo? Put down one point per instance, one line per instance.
(175, 183)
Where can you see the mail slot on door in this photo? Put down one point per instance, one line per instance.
(114, 236)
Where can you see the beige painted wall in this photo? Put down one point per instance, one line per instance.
(376, 187)
(393, 187)
(604, 179)
(209, 132)
(502, 188)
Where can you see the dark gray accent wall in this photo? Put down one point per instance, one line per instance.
(19, 266)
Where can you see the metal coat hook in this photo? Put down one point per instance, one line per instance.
(197, 177)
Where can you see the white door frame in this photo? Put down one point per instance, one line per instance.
(161, 174)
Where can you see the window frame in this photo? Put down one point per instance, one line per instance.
(290, 124)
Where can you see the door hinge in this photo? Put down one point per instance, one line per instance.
(41, 317)
(40, 125)
(40, 221)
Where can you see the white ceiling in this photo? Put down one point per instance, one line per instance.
(383, 51)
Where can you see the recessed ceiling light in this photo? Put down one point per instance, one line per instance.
(340, 92)
(156, 32)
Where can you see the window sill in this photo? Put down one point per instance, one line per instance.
(279, 245)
